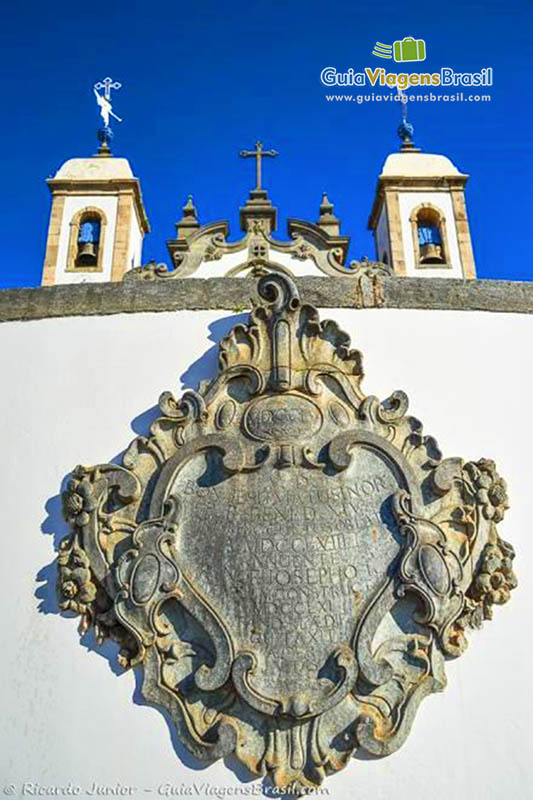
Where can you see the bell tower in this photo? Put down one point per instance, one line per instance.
(97, 220)
(419, 217)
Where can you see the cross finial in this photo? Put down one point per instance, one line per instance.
(105, 134)
(107, 84)
(405, 128)
(258, 153)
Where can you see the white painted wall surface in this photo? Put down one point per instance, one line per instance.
(136, 243)
(222, 266)
(382, 237)
(443, 201)
(73, 204)
(72, 391)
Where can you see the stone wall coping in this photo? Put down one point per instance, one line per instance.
(176, 294)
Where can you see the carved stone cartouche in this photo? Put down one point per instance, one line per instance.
(287, 560)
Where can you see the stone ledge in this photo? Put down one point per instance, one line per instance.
(234, 294)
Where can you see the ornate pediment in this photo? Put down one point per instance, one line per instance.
(253, 254)
(287, 560)
(204, 251)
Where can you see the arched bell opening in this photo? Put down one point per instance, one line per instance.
(429, 236)
(86, 242)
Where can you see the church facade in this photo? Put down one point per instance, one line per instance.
(418, 218)
(272, 351)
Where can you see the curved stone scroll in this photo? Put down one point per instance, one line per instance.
(300, 706)
(288, 560)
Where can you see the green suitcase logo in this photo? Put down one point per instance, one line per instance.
(409, 49)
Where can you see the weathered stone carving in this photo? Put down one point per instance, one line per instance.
(288, 560)
(209, 243)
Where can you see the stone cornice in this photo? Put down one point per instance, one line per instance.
(391, 183)
(91, 299)
(76, 186)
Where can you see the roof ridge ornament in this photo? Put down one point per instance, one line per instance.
(189, 221)
(105, 134)
(258, 205)
(259, 153)
(327, 219)
(405, 128)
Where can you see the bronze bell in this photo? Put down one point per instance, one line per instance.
(87, 254)
(431, 253)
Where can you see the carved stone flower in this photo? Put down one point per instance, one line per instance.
(495, 578)
(78, 500)
(75, 586)
(490, 489)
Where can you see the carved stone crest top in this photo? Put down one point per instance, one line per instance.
(287, 560)
(204, 251)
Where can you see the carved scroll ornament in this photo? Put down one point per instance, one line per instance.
(288, 561)
(259, 248)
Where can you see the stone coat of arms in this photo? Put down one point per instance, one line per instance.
(287, 560)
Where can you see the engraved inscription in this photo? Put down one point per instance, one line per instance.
(282, 418)
(292, 573)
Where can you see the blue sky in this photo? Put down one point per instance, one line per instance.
(203, 80)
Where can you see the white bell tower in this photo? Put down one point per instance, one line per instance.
(419, 215)
(97, 220)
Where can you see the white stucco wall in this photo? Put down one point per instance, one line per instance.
(222, 266)
(73, 389)
(382, 237)
(409, 201)
(136, 243)
(73, 204)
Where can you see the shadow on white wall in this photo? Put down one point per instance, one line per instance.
(204, 368)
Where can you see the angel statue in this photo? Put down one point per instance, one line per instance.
(106, 109)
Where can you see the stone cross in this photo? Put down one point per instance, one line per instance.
(258, 153)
